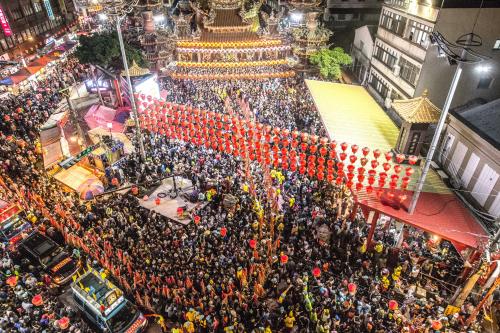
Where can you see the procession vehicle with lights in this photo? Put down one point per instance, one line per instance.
(53, 260)
(105, 305)
(13, 225)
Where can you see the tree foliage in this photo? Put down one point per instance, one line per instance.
(330, 62)
(103, 49)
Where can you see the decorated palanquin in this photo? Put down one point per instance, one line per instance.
(231, 45)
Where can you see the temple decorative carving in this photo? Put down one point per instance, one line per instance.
(228, 43)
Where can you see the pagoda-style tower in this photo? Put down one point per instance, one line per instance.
(308, 35)
(227, 45)
(155, 39)
(417, 115)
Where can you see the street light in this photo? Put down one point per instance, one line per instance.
(159, 18)
(118, 9)
(103, 17)
(467, 56)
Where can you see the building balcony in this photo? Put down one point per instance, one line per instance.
(416, 8)
(395, 80)
(353, 4)
(413, 50)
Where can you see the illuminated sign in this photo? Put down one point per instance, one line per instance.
(50, 13)
(5, 24)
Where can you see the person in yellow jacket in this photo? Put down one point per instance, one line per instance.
(289, 321)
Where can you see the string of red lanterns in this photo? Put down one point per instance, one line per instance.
(281, 148)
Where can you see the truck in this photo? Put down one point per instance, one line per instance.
(13, 225)
(105, 305)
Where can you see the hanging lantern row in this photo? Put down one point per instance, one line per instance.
(295, 151)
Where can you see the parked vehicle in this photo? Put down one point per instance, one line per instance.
(13, 225)
(104, 304)
(43, 251)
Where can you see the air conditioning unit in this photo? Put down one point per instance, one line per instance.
(396, 70)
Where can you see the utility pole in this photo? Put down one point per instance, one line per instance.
(130, 89)
(435, 138)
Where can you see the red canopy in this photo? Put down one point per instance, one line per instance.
(20, 75)
(441, 214)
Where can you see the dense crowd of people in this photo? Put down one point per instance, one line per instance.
(288, 256)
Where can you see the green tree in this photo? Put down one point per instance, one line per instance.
(103, 49)
(330, 62)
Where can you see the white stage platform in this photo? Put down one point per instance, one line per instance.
(168, 206)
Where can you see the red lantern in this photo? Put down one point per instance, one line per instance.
(63, 323)
(353, 159)
(316, 272)
(393, 305)
(351, 287)
(365, 151)
(197, 219)
(371, 180)
(374, 164)
(343, 146)
(393, 185)
(313, 149)
(361, 178)
(369, 189)
(340, 165)
(343, 156)
(400, 158)
(382, 175)
(284, 259)
(350, 168)
(412, 159)
(252, 243)
(361, 170)
(376, 153)
(323, 151)
(398, 168)
(363, 161)
(115, 182)
(386, 166)
(12, 280)
(157, 201)
(354, 148)
(388, 156)
(409, 171)
(359, 186)
(223, 231)
(437, 325)
(37, 300)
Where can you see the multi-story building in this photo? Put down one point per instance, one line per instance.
(405, 63)
(361, 52)
(470, 154)
(27, 24)
(341, 14)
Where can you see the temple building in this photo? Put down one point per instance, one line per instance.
(307, 33)
(228, 42)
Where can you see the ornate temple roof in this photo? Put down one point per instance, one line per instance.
(417, 110)
(135, 70)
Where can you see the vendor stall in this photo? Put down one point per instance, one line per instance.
(81, 180)
(54, 144)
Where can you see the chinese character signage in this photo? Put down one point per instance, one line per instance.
(50, 13)
(5, 24)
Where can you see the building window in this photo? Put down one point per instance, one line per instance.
(16, 13)
(37, 6)
(485, 82)
(408, 71)
(395, 95)
(393, 22)
(386, 56)
(496, 46)
(27, 10)
(419, 33)
(341, 17)
(379, 86)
